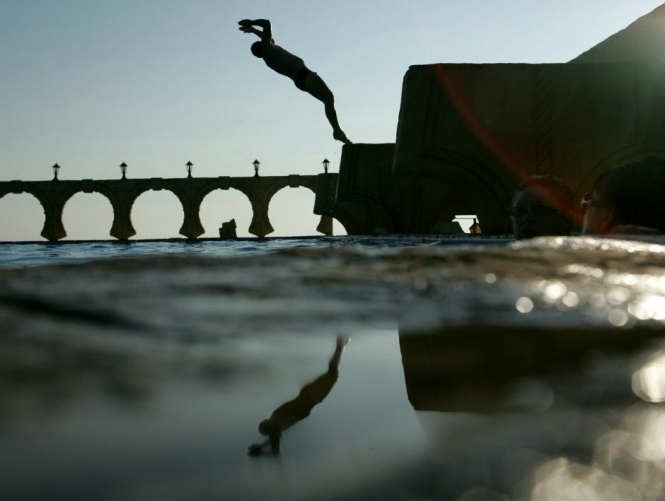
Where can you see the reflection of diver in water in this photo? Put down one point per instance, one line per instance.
(300, 407)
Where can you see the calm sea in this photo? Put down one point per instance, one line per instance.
(18, 254)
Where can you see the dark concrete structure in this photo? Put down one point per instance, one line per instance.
(122, 193)
(468, 133)
(369, 200)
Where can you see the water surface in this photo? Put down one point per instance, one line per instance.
(474, 371)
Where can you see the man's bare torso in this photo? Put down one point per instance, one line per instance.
(280, 60)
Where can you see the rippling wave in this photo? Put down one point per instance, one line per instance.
(35, 253)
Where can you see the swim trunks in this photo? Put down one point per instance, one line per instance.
(300, 78)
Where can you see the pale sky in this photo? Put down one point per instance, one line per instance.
(156, 83)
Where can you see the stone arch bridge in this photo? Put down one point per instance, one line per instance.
(122, 193)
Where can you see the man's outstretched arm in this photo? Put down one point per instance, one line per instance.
(246, 25)
(251, 29)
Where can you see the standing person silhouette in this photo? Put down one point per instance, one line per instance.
(288, 414)
(289, 65)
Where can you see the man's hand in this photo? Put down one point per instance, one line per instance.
(254, 450)
(249, 26)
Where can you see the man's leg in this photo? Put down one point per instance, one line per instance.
(342, 341)
(316, 87)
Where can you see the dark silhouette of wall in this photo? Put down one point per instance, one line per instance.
(468, 133)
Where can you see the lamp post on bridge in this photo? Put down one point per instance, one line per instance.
(56, 169)
(326, 163)
(189, 169)
(123, 169)
(256, 165)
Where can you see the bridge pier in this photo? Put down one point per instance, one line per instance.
(122, 227)
(191, 225)
(53, 196)
(53, 229)
(260, 200)
(325, 226)
(191, 193)
(259, 191)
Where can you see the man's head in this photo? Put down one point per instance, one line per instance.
(542, 206)
(257, 49)
(265, 427)
(632, 194)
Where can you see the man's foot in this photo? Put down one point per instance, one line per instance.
(340, 136)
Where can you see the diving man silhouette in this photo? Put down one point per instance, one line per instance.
(290, 65)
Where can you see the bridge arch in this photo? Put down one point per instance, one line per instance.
(488, 195)
(220, 206)
(87, 216)
(21, 217)
(291, 212)
(156, 214)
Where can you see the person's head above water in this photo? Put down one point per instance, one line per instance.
(631, 195)
(542, 206)
(257, 49)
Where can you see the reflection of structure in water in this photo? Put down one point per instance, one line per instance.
(479, 369)
(539, 414)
